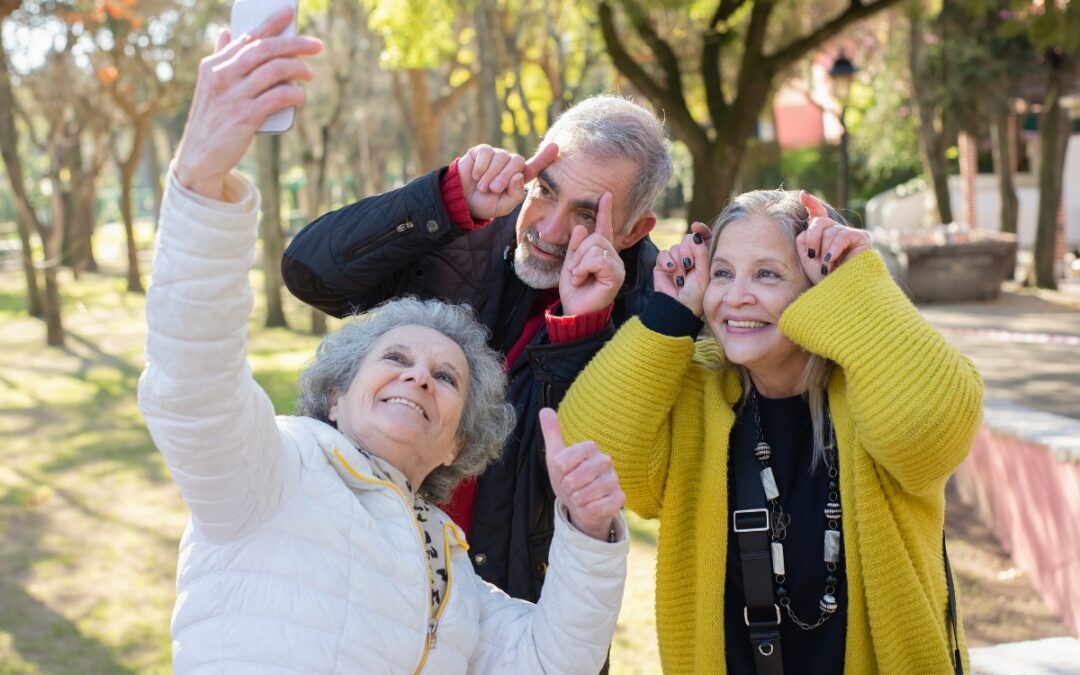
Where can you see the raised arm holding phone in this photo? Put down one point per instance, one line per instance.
(314, 544)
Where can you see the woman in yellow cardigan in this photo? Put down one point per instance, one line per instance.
(824, 410)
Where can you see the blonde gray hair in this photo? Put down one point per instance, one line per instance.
(486, 420)
(613, 128)
(784, 208)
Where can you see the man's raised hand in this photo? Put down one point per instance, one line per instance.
(494, 179)
(243, 82)
(583, 478)
(593, 272)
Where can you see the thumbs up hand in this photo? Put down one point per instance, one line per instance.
(583, 479)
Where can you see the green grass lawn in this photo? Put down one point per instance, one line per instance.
(89, 516)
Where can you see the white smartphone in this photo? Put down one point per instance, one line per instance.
(247, 15)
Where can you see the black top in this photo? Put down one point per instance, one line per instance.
(787, 427)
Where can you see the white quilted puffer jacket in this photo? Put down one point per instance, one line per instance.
(296, 560)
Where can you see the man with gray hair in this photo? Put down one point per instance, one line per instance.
(533, 246)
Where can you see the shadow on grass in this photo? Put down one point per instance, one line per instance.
(45, 640)
(130, 371)
(86, 509)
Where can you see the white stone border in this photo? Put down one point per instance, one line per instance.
(1059, 434)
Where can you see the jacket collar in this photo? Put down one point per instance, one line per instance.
(356, 469)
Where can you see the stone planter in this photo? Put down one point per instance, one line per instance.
(948, 266)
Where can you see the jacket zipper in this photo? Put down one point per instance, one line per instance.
(433, 614)
(434, 626)
(401, 228)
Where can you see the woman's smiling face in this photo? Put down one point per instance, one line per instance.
(754, 275)
(405, 402)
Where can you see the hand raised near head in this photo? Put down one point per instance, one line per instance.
(241, 84)
(682, 271)
(494, 179)
(593, 272)
(583, 478)
(826, 244)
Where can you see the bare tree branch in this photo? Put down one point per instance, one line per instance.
(674, 106)
(665, 56)
(447, 101)
(712, 76)
(795, 50)
(724, 11)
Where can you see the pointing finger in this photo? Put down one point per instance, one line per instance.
(603, 218)
(814, 207)
(540, 161)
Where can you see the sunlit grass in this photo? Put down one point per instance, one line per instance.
(89, 517)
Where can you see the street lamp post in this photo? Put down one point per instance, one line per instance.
(841, 72)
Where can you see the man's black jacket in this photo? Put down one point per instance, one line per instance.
(404, 242)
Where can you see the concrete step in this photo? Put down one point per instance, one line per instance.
(1052, 656)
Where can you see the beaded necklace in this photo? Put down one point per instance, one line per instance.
(779, 521)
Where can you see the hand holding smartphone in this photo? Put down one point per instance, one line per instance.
(247, 15)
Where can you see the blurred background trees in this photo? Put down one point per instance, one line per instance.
(94, 93)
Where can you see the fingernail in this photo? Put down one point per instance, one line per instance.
(686, 263)
(698, 239)
(670, 264)
(828, 257)
(824, 269)
(810, 253)
(679, 281)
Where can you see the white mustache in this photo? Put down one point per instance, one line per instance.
(532, 236)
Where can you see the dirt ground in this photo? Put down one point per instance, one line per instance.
(998, 601)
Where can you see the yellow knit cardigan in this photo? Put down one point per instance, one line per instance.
(906, 407)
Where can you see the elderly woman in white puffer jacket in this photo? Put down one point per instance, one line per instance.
(313, 546)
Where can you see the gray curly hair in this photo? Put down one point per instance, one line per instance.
(784, 208)
(486, 420)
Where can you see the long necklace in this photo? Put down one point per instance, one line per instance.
(779, 521)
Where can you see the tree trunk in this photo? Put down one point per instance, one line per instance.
(716, 170)
(127, 208)
(489, 118)
(1053, 135)
(26, 220)
(85, 204)
(318, 322)
(1004, 162)
(425, 125)
(268, 152)
(931, 145)
(52, 238)
(154, 171)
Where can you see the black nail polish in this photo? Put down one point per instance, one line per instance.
(810, 253)
(698, 239)
(686, 263)
(679, 281)
(670, 264)
(828, 257)
(824, 269)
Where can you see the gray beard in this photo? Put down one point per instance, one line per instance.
(538, 274)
